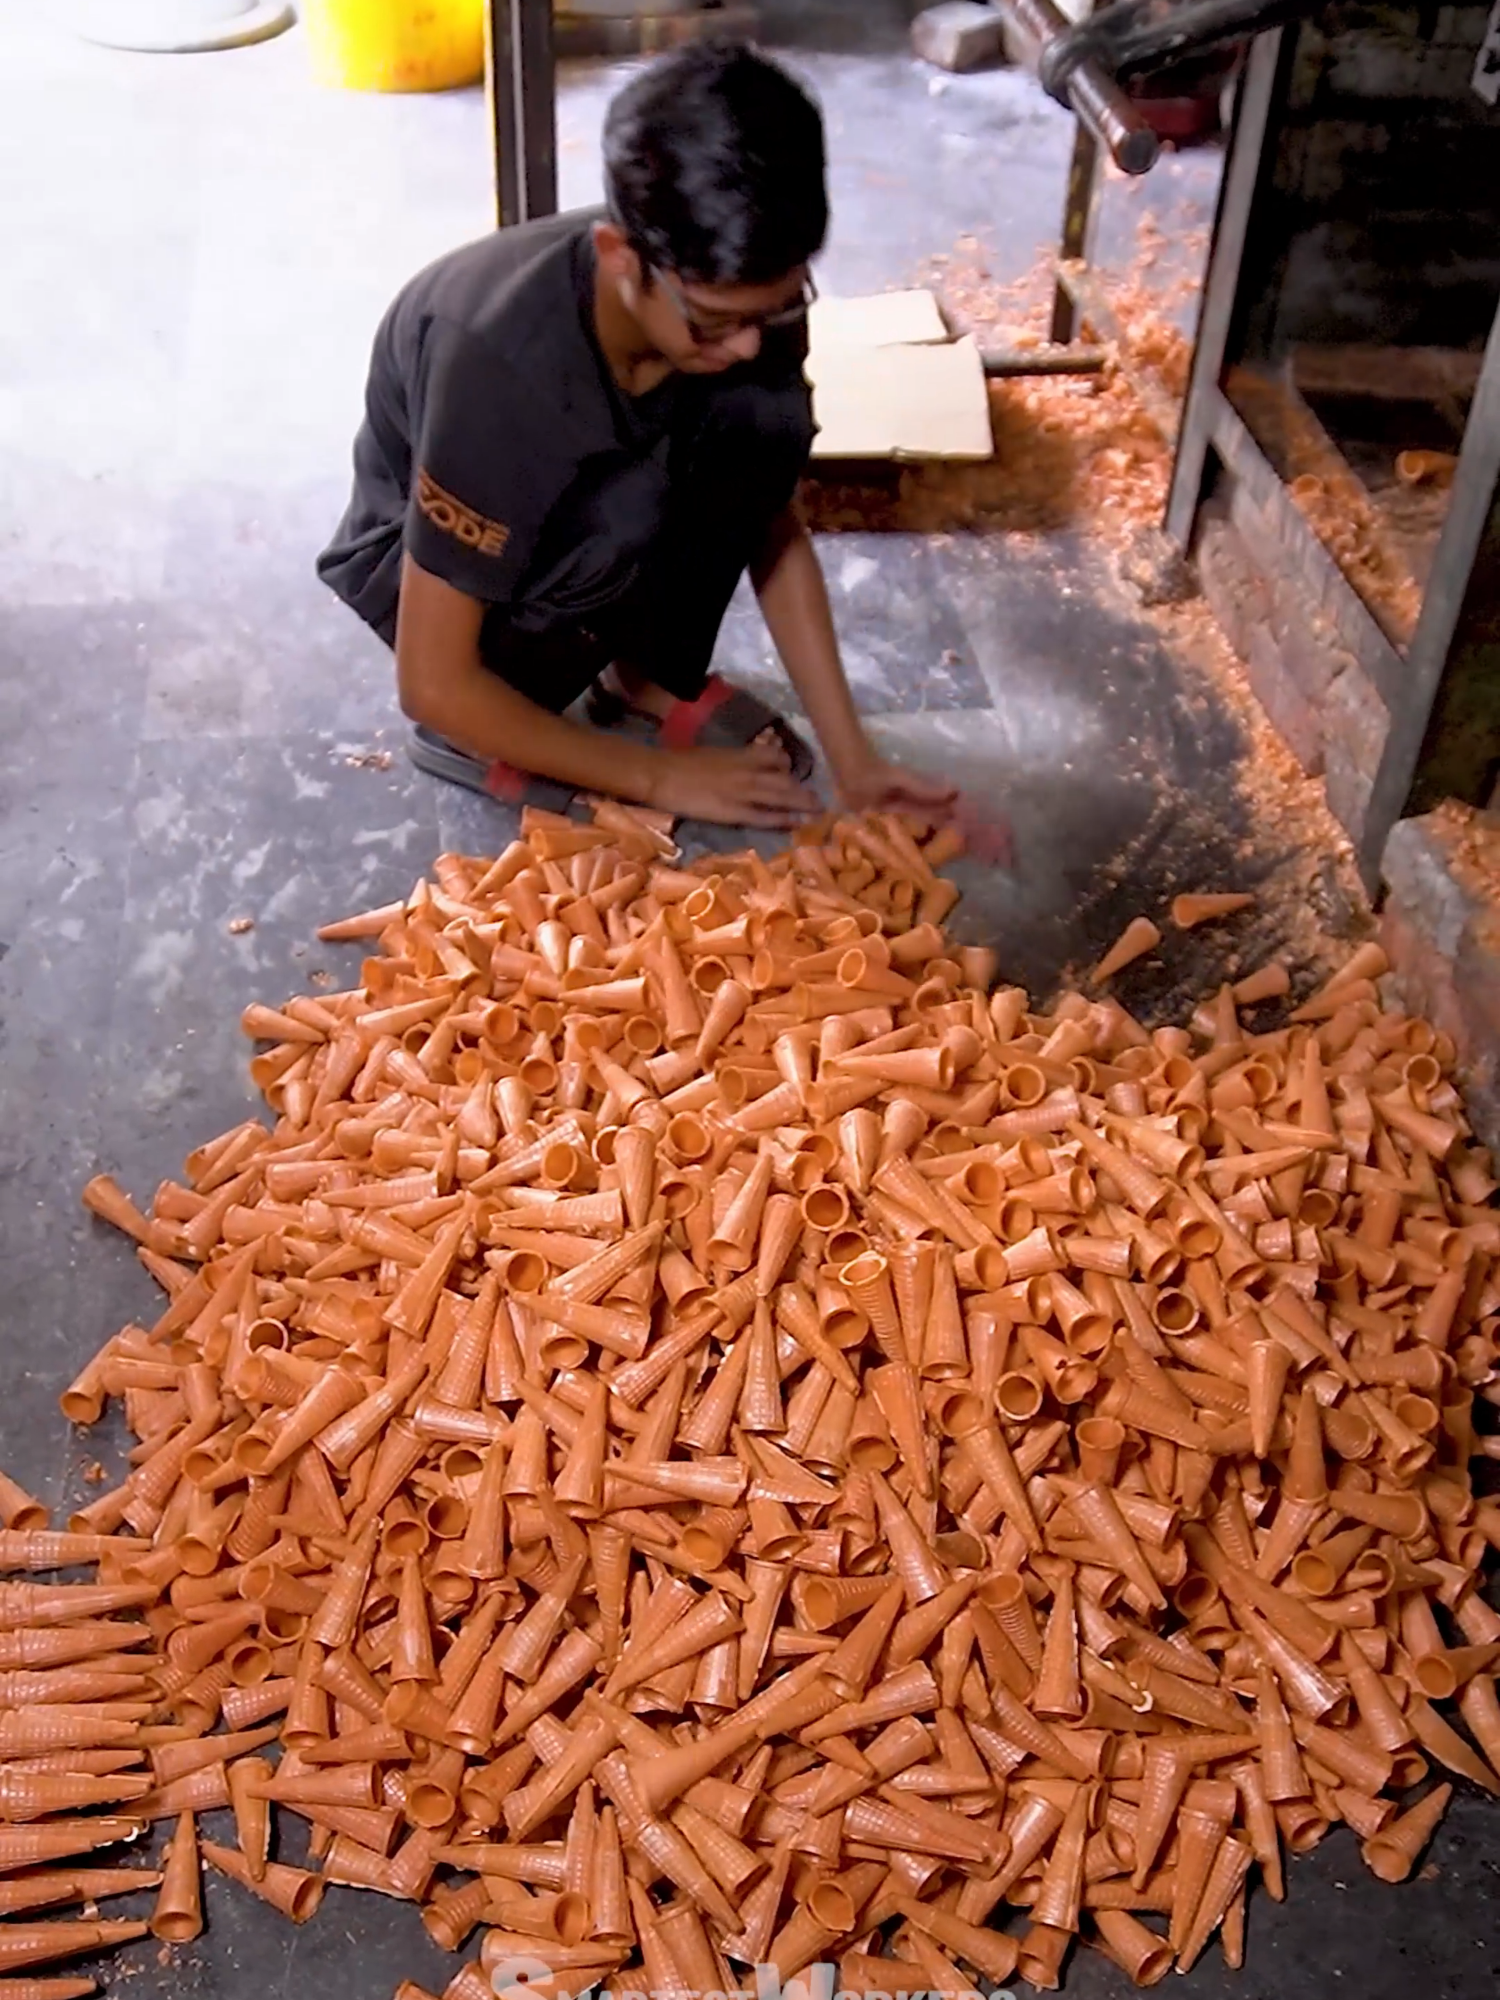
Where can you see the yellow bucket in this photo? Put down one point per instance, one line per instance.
(395, 44)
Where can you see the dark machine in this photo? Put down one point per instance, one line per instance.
(1337, 465)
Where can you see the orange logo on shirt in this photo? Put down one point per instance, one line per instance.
(454, 518)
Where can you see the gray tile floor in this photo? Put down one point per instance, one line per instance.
(194, 252)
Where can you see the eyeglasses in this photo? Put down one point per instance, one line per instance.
(708, 332)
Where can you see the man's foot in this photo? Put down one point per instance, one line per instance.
(723, 717)
(441, 759)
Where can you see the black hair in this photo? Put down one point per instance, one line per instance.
(714, 166)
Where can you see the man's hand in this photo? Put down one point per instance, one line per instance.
(879, 786)
(750, 787)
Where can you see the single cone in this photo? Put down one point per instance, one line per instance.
(1267, 1365)
(292, 1891)
(1139, 936)
(1201, 909)
(920, 1572)
(178, 1915)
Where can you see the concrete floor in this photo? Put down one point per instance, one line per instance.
(195, 253)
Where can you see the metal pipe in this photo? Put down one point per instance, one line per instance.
(1085, 89)
(1138, 35)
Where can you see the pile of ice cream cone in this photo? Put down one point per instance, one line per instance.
(705, 1436)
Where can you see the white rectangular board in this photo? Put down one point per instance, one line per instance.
(910, 401)
(885, 319)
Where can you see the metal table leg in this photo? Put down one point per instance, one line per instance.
(522, 90)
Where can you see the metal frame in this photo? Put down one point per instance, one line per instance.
(520, 73)
(1243, 171)
(1442, 695)
(1450, 710)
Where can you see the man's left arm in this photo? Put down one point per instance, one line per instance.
(793, 599)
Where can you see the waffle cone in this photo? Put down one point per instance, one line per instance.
(894, 1387)
(760, 1393)
(1280, 1759)
(713, 1618)
(336, 1622)
(796, 1312)
(248, 1778)
(335, 1392)
(767, 1581)
(376, 1742)
(985, 1449)
(859, 1147)
(718, 1482)
(1096, 1511)
(1442, 1741)
(635, 1159)
(482, 1551)
(849, 1669)
(707, 1428)
(1202, 909)
(1141, 1954)
(608, 1327)
(1139, 936)
(1392, 1853)
(28, 1795)
(579, 1488)
(1231, 1864)
(334, 1785)
(411, 1644)
(666, 1774)
(926, 1069)
(53, 1646)
(608, 1902)
(292, 1891)
(1267, 1364)
(911, 1553)
(760, 1911)
(38, 1548)
(27, 1731)
(1059, 1896)
(527, 1644)
(40, 1604)
(1400, 1514)
(919, 1627)
(1024, 1728)
(1199, 1837)
(73, 1885)
(178, 1916)
(1307, 1688)
(1306, 1476)
(1058, 1693)
(944, 1345)
(1030, 1831)
(1293, 1521)
(598, 1275)
(940, 1975)
(571, 1661)
(44, 1944)
(30, 1846)
(988, 1951)
(867, 1280)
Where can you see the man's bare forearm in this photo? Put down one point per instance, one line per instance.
(794, 602)
(490, 720)
(445, 686)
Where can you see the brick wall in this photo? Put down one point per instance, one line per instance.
(1444, 947)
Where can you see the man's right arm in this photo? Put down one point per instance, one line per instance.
(445, 686)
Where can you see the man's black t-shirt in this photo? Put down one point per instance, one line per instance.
(497, 447)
